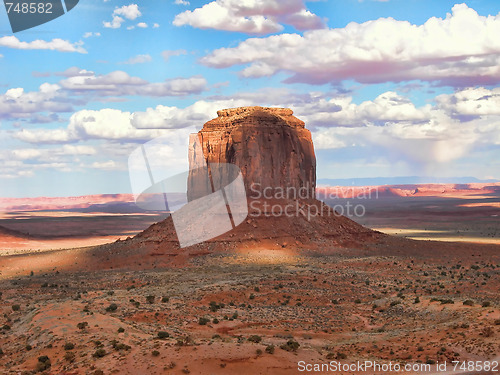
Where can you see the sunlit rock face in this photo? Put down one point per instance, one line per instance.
(272, 148)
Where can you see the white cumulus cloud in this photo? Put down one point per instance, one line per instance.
(250, 16)
(459, 50)
(54, 45)
(129, 12)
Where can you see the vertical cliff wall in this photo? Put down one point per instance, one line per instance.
(272, 148)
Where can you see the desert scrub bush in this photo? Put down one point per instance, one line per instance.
(155, 353)
(150, 299)
(290, 346)
(203, 321)
(112, 307)
(357, 301)
(165, 299)
(215, 321)
(99, 353)
(69, 346)
(468, 302)
(394, 303)
(43, 363)
(163, 335)
(214, 306)
(497, 322)
(335, 301)
(447, 302)
(487, 332)
(82, 325)
(69, 356)
(255, 338)
(120, 346)
(486, 304)
(270, 349)
(16, 307)
(341, 355)
(417, 300)
(258, 352)
(121, 329)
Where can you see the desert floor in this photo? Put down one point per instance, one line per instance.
(254, 311)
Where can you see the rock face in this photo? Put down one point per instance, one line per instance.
(272, 148)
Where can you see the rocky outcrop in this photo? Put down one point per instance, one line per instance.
(272, 148)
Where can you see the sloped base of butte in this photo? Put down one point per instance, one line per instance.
(323, 229)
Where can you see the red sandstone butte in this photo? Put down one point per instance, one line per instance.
(272, 148)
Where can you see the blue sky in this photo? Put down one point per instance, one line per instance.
(388, 88)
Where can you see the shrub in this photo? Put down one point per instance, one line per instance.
(69, 346)
(82, 325)
(358, 301)
(165, 299)
(29, 347)
(255, 338)
(155, 353)
(487, 332)
(214, 306)
(468, 302)
(258, 351)
(121, 329)
(215, 321)
(341, 355)
(43, 363)
(417, 300)
(150, 299)
(486, 304)
(16, 307)
(112, 307)
(69, 356)
(163, 335)
(420, 349)
(270, 349)
(203, 321)
(290, 346)
(120, 346)
(99, 353)
(497, 322)
(335, 302)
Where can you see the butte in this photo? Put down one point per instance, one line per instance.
(275, 154)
